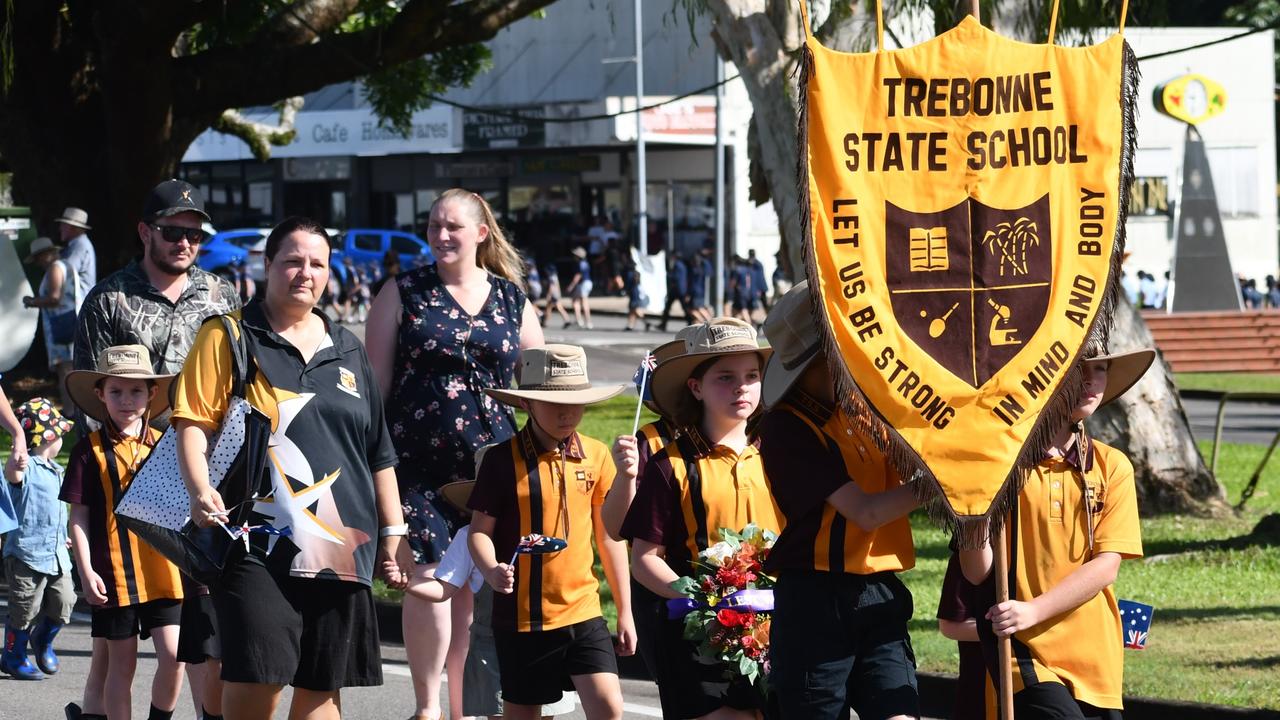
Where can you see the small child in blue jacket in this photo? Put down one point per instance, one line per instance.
(35, 554)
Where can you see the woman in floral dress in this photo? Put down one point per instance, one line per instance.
(436, 339)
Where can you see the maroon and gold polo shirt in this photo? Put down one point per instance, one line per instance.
(811, 450)
(690, 490)
(550, 491)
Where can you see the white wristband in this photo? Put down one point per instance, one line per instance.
(393, 530)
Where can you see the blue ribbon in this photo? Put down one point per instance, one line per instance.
(754, 600)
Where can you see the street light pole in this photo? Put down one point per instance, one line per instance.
(719, 281)
(642, 206)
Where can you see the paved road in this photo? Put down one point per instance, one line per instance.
(394, 699)
(1245, 422)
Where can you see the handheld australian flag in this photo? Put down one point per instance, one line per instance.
(643, 373)
(535, 544)
(1135, 624)
(643, 387)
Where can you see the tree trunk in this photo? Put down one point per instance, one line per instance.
(1149, 424)
(762, 38)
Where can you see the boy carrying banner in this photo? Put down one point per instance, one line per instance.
(839, 635)
(1075, 520)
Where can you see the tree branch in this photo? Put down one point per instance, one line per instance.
(261, 136)
(229, 77)
(305, 21)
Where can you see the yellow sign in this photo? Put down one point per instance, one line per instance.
(964, 216)
(1191, 98)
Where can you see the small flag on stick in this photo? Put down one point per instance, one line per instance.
(641, 379)
(1135, 624)
(535, 544)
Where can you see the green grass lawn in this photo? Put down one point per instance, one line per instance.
(1216, 636)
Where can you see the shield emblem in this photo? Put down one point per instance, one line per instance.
(970, 284)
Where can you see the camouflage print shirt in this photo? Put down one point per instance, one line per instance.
(126, 309)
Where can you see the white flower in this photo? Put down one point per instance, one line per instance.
(718, 553)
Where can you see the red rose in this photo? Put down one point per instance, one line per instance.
(732, 618)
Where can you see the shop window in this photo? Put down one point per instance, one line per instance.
(682, 216)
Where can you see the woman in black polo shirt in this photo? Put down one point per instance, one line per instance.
(295, 608)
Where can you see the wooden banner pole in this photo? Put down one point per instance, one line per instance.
(973, 10)
(1004, 647)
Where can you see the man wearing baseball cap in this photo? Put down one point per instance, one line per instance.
(159, 300)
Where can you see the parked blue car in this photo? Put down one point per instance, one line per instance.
(367, 246)
(229, 247)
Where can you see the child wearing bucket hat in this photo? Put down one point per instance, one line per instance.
(708, 479)
(550, 480)
(35, 553)
(847, 537)
(132, 590)
(1075, 521)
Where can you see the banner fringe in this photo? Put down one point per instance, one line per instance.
(968, 529)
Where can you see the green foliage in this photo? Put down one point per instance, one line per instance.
(395, 93)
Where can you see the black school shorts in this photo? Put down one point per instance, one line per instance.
(119, 623)
(840, 640)
(277, 629)
(537, 667)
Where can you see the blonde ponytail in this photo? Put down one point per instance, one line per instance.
(496, 254)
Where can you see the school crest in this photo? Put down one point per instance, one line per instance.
(347, 382)
(969, 284)
(964, 205)
(585, 480)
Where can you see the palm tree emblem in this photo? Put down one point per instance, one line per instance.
(1010, 241)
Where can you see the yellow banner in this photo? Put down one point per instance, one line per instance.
(965, 211)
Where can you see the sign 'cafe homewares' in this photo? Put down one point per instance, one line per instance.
(965, 215)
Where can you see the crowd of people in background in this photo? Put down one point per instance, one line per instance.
(1144, 291)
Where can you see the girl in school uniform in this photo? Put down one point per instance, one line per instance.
(710, 477)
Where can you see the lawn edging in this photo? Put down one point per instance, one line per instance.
(936, 689)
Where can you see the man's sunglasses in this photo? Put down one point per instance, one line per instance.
(174, 233)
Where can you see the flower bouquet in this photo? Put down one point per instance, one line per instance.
(727, 604)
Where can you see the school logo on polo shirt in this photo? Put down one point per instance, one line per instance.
(347, 382)
(586, 481)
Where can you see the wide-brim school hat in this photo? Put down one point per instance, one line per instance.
(719, 338)
(457, 494)
(661, 354)
(125, 361)
(1124, 370)
(795, 339)
(555, 374)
